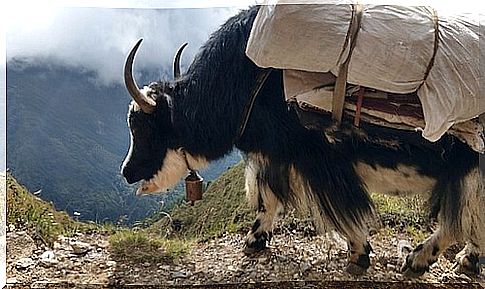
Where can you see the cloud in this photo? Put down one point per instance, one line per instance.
(98, 39)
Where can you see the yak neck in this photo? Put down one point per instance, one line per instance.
(212, 95)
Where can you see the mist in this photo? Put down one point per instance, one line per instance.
(98, 39)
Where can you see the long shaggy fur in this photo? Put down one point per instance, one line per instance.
(318, 169)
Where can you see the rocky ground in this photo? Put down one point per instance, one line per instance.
(293, 255)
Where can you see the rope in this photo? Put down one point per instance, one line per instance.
(435, 48)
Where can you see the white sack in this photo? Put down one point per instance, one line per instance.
(292, 37)
(451, 94)
(393, 49)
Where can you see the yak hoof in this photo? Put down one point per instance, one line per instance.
(255, 247)
(355, 269)
(409, 272)
(253, 250)
(467, 265)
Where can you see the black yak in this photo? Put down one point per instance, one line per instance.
(196, 118)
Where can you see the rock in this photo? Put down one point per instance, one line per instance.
(305, 266)
(80, 248)
(465, 278)
(231, 268)
(111, 263)
(12, 280)
(391, 267)
(404, 247)
(218, 278)
(58, 246)
(103, 244)
(263, 260)
(48, 258)
(40, 284)
(24, 263)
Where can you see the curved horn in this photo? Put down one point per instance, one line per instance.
(146, 104)
(176, 61)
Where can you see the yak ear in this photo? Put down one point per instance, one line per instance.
(168, 100)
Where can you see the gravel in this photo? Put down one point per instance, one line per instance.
(292, 256)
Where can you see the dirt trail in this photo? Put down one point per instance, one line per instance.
(85, 258)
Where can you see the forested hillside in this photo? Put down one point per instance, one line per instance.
(67, 136)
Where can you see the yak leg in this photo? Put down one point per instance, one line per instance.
(263, 198)
(466, 226)
(262, 229)
(358, 256)
(473, 224)
(461, 201)
(426, 253)
(467, 260)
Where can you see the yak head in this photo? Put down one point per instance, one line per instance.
(156, 157)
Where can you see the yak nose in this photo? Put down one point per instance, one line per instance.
(128, 174)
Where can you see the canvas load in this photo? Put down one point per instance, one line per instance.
(428, 51)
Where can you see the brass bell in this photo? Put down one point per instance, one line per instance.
(194, 187)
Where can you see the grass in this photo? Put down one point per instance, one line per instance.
(139, 246)
(26, 211)
(404, 215)
(223, 209)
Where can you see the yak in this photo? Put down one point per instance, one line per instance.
(185, 123)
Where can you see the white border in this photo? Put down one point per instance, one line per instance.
(3, 149)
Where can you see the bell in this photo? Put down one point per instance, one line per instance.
(194, 187)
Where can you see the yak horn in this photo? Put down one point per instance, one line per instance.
(176, 61)
(146, 104)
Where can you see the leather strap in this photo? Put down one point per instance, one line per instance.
(358, 109)
(341, 83)
(249, 106)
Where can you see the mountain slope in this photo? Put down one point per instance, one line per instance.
(68, 136)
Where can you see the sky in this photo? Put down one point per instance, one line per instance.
(98, 39)
(97, 35)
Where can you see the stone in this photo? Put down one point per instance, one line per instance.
(305, 266)
(24, 263)
(48, 258)
(58, 246)
(465, 278)
(404, 247)
(102, 244)
(80, 248)
(263, 260)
